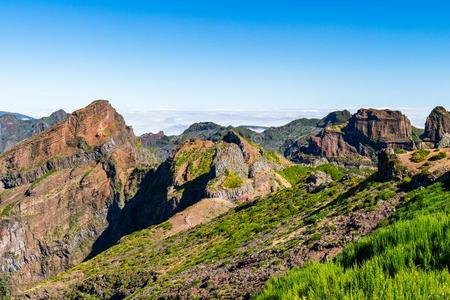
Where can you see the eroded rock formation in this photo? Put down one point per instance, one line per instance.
(437, 125)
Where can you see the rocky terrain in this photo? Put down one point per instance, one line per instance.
(57, 189)
(15, 128)
(357, 139)
(88, 210)
(437, 127)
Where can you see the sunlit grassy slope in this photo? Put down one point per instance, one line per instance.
(407, 258)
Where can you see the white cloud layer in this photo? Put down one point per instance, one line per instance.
(175, 121)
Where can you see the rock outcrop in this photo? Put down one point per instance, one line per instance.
(437, 125)
(362, 136)
(380, 129)
(151, 138)
(331, 143)
(60, 189)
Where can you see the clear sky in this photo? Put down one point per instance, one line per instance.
(179, 54)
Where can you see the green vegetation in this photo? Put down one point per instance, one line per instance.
(42, 178)
(166, 226)
(419, 155)
(439, 156)
(199, 161)
(406, 259)
(6, 212)
(296, 173)
(4, 289)
(416, 133)
(232, 180)
(273, 157)
(399, 151)
(284, 221)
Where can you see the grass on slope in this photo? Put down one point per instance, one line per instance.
(408, 258)
(251, 228)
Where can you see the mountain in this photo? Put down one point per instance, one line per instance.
(271, 138)
(75, 189)
(87, 212)
(15, 128)
(17, 115)
(357, 140)
(230, 169)
(319, 231)
(59, 188)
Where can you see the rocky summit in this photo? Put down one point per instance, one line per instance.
(437, 126)
(360, 137)
(57, 190)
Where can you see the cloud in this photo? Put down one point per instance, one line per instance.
(173, 121)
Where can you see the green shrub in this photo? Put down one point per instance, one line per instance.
(419, 155)
(294, 174)
(273, 157)
(232, 180)
(399, 151)
(334, 171)
(4, 289)
(439, 156)
(42, 178)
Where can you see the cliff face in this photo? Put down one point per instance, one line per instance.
(365, 133)
(57, 191)
(380, 128)
(437, 125)
(330, 143)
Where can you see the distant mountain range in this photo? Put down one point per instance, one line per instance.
(17, 115)
(16, 127)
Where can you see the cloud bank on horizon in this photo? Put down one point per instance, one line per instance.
(174, 122)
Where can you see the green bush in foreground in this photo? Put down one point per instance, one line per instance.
(439, 156)
(419, 155)
(408, 259)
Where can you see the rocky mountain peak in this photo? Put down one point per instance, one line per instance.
(73, 173)
(58, 115)
(437, 125)
(83, 130)
(375, 125)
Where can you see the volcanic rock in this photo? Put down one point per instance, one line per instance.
(437, 125)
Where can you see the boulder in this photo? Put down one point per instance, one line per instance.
(318, 180)
(389, 166)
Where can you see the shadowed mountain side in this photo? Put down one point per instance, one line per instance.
(150, 206)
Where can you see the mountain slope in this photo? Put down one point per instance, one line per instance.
(407, 258)
(233, 255)
(57, 190)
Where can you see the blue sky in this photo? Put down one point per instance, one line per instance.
(233, 55)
